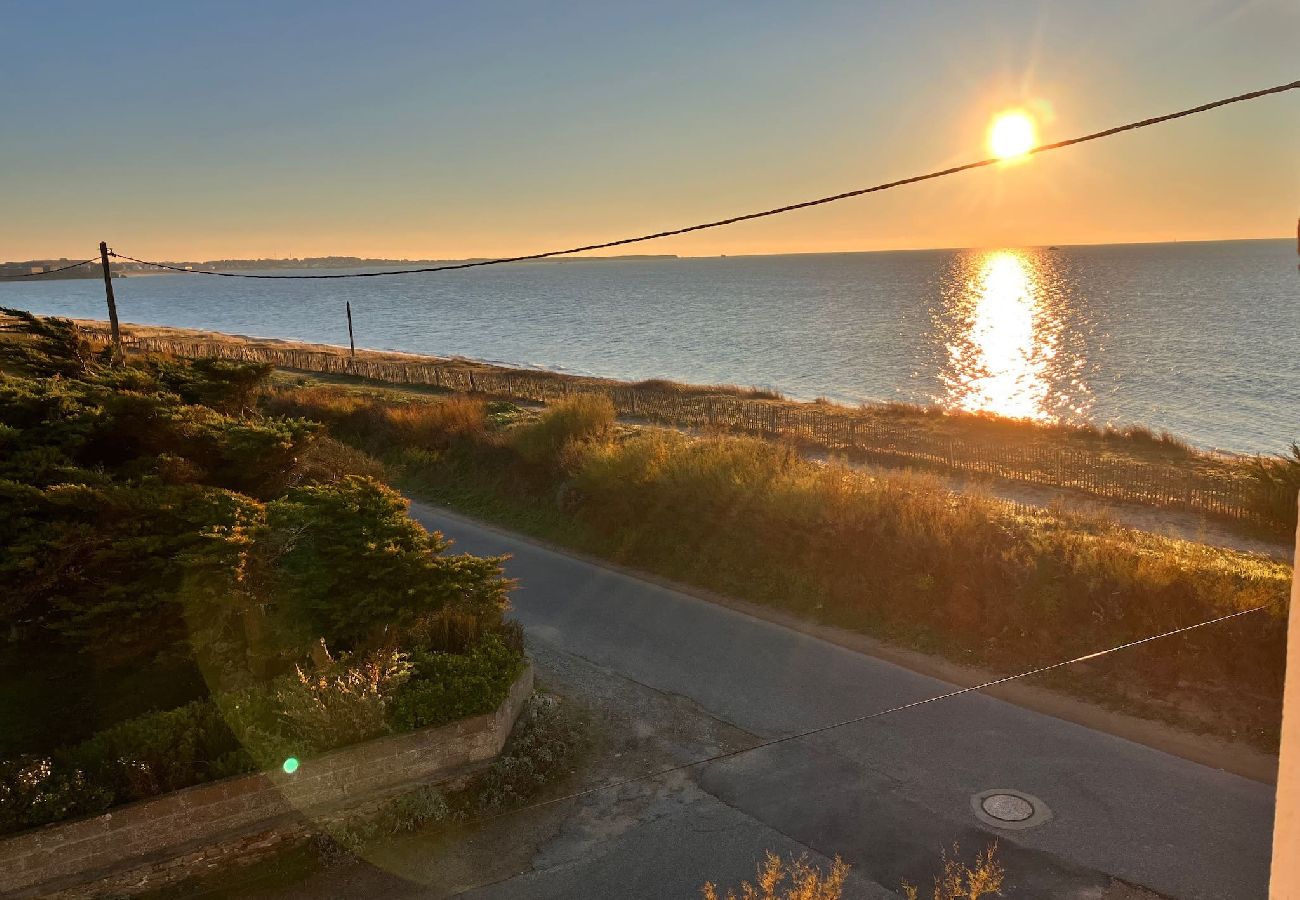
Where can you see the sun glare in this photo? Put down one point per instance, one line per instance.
(1012, 134)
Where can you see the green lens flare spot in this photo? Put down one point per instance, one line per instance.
(290, 765)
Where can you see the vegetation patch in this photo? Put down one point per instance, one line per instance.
(541, 751)
(1119, 463)
(195, 589)
(894, 555)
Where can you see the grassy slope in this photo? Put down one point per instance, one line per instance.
(916, 436)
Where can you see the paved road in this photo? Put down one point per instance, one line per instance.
(887, 794)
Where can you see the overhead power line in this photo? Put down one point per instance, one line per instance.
(948, 695)
(888, 185)
(60, 269)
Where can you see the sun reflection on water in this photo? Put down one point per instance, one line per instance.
(1003, 334)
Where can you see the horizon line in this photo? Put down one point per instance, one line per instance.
(632, 256)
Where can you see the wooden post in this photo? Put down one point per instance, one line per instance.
(352, 345)
(1285, 880)
(116, 353)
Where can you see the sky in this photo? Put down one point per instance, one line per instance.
(426, 130)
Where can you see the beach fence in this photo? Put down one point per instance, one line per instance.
(1222, 491)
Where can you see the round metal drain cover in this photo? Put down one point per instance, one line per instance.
(1003, 808)
(1007, 807)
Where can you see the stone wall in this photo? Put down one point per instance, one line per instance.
(59, 857)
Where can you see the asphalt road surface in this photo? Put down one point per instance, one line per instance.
(885, 795)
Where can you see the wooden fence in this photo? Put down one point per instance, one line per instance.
(1222, 491)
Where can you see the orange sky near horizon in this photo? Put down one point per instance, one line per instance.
(604, 124)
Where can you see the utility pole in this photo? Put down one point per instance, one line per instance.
(1284, 883)
(352, 344)
(116, 354)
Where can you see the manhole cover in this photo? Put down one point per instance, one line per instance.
(1004, 808)
(1008, 807)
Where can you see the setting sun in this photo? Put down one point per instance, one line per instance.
(1012, 134)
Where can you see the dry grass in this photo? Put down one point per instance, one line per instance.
(563, 426)
(459, 417)
(665, 385)
(1130, 464)
(379, 423)
(959, 881)
(775, 879)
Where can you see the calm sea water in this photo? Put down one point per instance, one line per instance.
(1202, 339)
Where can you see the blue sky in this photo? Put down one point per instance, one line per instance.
(198, 130)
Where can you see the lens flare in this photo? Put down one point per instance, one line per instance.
(1012, 134)
(290, 765)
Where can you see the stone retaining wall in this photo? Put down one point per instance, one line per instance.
(57, 857)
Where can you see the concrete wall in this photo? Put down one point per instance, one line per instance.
(59, 857)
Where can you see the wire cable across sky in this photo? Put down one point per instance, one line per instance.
(775, 211)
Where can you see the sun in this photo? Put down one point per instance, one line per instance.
(1012, 134)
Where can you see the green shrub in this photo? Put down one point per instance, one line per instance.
(35, 791)
(56, 346)
(447, 686)
(347, 562)
(223, 384)
(133, 760)
(342, 704)
(159, 752)
(141, 524)
(102, 566)
(309, 712)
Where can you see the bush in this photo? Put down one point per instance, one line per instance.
(580, 418)
(33, 791)
(346, 563)
(343, 704)
(102, 566)
(327, 460)
(445, 687)
(223, 384)
(135, 759)
(539, 752)
(159, 752)
(307, 713)
(1277, 487)
(55, 346)
(299, 715)
(145, 531)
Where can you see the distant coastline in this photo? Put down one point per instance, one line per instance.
(359, 262)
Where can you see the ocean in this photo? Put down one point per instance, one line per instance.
(1200, 339)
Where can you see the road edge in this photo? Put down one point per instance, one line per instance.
(1234, 758)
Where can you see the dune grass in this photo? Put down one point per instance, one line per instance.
(1125, 463)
